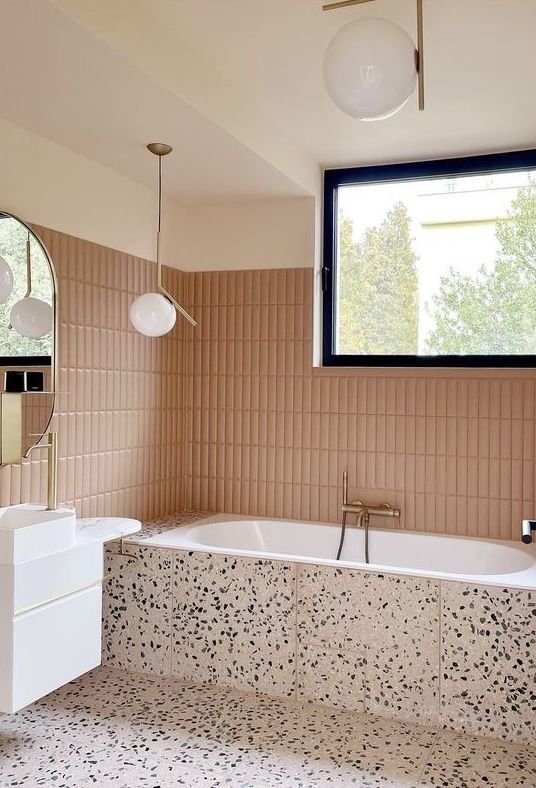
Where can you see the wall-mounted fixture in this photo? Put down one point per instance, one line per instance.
(154, 314)
(371, 66)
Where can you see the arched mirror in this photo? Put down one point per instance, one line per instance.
(27, 338)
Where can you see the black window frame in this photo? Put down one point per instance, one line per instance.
(25, 361)
(439, 168)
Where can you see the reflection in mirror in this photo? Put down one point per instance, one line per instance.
(27, 325)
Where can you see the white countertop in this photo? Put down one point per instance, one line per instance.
(105, 529)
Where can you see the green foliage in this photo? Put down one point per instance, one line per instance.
(13, 249)
(493, 312)
(378, 288)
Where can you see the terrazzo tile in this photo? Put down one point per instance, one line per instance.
(167, 523)
(489, 661)
(234, 622)
(211, 736)
(137, 610)
(323, 746)
(389, 623)
(465, 762)
(77, 767)
(332, 677)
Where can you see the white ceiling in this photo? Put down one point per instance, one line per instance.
(237, 88)
(62, 82)
(480, 72)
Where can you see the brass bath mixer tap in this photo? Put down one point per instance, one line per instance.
(363, 511)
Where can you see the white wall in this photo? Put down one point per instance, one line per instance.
(48, 184)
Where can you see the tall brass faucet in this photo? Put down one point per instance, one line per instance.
(52, 468)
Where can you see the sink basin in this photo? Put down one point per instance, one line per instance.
(29, 531)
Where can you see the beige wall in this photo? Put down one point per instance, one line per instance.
(47, 184)
(260, 233)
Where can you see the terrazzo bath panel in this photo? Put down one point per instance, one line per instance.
(418, 649)
(488, 661)
(384, 629)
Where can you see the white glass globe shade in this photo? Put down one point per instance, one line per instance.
(153, 315)
(6, 281)
(370, 69)
(31, 317)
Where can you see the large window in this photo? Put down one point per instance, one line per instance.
(431, 263)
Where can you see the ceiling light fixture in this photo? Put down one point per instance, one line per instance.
(154, 314)
(371, 66)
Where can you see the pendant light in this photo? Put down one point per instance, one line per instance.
(371, 66)
(154, 314)
(31, 317)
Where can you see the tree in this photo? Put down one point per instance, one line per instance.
(378, 288)
(13, 237)
(494, 311)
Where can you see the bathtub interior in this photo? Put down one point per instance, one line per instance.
(390, 549)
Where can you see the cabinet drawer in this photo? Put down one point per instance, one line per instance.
(54, 644)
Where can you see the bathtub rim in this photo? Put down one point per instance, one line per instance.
(522, 580)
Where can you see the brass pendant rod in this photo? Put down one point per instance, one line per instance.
(420, 52)
(160, 149)
(343, 4)
(28, 267)
(165, 292)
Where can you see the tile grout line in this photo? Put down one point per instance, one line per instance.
(440, 650)
(296, 660)
(171, 615)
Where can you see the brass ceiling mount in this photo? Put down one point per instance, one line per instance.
(159, 148)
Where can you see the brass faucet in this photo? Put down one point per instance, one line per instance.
(52, 478)
(362, 512)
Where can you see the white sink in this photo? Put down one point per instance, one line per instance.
(29, 531)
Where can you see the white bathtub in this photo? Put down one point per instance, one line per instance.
(482, 561)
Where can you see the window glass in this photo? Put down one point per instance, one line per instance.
(433, 268)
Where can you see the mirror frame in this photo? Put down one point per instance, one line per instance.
(19, 361)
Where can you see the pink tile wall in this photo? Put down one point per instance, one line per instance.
(231, 416)
(119, 416)
(266, 434)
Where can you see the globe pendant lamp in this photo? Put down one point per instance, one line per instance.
(154, 314)
(31, 317)
(371, 66)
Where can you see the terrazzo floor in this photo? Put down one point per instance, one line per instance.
(113, 728)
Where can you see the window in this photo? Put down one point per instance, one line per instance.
(431, 263)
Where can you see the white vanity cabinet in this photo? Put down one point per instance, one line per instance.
(50, 646)
(50, 600)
